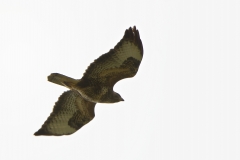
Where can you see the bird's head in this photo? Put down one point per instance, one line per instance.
(116, 97)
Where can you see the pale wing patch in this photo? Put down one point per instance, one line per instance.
(59, 124)
(127, 50)
(120, 55)
(64, 110)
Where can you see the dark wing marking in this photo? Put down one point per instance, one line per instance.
(69, 114)
(121, 62)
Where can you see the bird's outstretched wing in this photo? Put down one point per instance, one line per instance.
(119, 63)
(69, 114)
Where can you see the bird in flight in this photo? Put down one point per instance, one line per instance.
(75, 107)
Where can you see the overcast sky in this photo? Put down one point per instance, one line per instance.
(183, 104)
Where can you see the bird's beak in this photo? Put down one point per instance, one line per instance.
(122, 99)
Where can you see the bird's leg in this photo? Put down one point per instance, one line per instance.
(62, 80)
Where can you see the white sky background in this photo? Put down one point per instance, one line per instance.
(182, 105)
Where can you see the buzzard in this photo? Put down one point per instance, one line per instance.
(75, 107)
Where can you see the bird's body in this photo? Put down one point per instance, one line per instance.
(96, 85)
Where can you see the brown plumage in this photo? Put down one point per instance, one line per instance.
(75, 108)
(69, 114)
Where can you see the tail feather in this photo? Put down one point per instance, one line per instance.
(62, 80)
